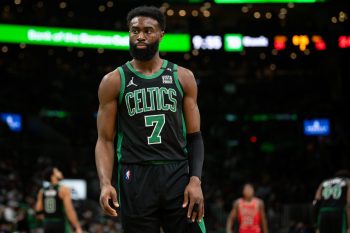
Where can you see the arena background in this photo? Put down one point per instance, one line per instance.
(274, 92)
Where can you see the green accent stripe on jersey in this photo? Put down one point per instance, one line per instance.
(67, 226)
(66, 223)
(344, 225)
(184, 131)
(119, 155)
(119, 145)
(177, 82)
(202, 226)
(122, 84)
(156, 74)
(118, 183)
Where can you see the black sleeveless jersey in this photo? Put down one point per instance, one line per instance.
(334, 193)
(53, 204)
(151, 125)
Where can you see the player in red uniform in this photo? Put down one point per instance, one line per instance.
(250, 213)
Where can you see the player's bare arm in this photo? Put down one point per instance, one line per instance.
(191, 111)
(193, 193)
(39, 208)
(263, 217)
(65, 195)
(318, 194)
(232, 217)
(316, 203)
(104, 151)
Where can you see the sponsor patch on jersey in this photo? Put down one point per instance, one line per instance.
(50, 193)
(167, 79)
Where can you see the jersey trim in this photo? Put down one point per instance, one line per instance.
(122, 84)
(344, 225)
(119, 145)
(118, 183)
(202, 226)
(67, 226)
(119, 156)
(184, 131)
(156, 74)
(177, 82)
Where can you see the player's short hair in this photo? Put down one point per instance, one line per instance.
(47, 173)
(248, 184)
(343, 173)
(147, 11)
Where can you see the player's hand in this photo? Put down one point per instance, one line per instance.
(348, 231)
(193, 198)
(78, 230)
(108, 200)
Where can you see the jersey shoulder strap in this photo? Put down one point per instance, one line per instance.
(176, 78)
(121, 71)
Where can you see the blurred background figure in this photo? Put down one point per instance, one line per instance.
(332, 204)
(248, 212)
(54, 204)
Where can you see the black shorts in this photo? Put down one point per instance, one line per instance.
(332, 221)
(151, 196)
(56, 226)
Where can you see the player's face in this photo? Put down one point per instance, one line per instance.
(144, 37)
(58, 174)
(248, 191)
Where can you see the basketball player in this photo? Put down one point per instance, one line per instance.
(54, 204)
(250, 213)
(152, 103)
(332, 204)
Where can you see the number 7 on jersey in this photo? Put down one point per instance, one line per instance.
(158, 122)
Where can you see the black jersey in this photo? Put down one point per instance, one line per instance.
(151, 125)
(334, 193)
(53, 204)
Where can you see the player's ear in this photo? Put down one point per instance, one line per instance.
(161, 36)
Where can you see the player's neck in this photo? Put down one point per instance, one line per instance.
(248, 199)
(54, 182)
(148, 67)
